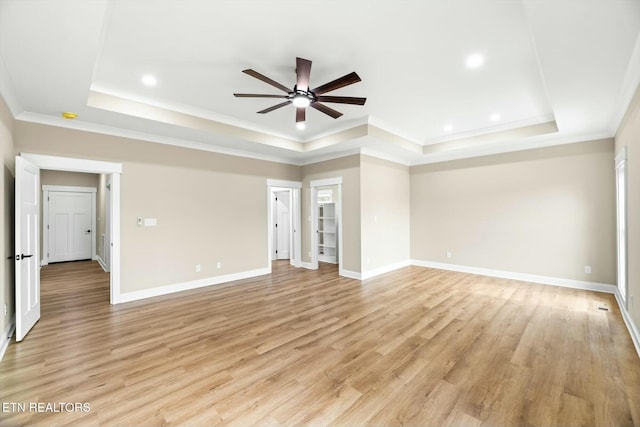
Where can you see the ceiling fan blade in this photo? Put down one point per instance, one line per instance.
(301, 114)
(327, 110)
(343, 81)
(343, 99)
(303, 70)
(275, 107)
(257, 95)
(267, 80)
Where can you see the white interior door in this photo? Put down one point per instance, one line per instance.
(70, 228)
(283, 225)
(27, 271)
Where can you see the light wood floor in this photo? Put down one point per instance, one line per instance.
(415, 347)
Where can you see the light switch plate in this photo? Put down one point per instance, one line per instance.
(150, 222)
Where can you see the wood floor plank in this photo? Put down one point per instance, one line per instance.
(417, 346)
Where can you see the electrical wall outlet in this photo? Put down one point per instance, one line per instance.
(219, 264)
(198, 268)
(448, 254)
(587, 269)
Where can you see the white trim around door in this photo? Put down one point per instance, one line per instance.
(621, 225)
(296, 239)
(314, 184)
(71, 164)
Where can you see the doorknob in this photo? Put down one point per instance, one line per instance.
(22, 256)
(88, 231)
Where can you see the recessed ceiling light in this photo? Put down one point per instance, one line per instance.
(301, 125)
(69, 115)
(475, 61)
(448, 128)
(149, 80)
(495, 117)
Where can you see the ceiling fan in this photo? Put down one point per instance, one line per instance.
(301, 96)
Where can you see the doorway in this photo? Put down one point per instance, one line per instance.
(326, 220)
(284, 240)
(621, 222)
(113, 171)
(281, 224)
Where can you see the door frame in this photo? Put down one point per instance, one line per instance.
(295, 212)
(46, 189)
(106, 262)
(314, 184)
(70, 164)
(622, 258)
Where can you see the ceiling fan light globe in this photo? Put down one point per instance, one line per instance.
(301, 101)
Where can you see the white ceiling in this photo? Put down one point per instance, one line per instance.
(573, 64)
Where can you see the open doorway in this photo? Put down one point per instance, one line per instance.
(621, 223)
(111, 172)
(283, 207)
(326, 220)
(281, 225)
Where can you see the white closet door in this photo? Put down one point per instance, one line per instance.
(69, 226)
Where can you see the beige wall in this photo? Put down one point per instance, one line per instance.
(203, 203)
(349, 169)
(628, 135)
(6, 217)
(547, 212)
(71, 179)
(385, 213)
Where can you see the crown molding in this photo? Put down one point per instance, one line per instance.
(509, 147)
(142, 136)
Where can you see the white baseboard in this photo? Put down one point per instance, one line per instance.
(102, 263)
(306, 265)
(5, 339)
(185, 286)
(350, 274)
(386, 269)
(544, 280)
(631, 327)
